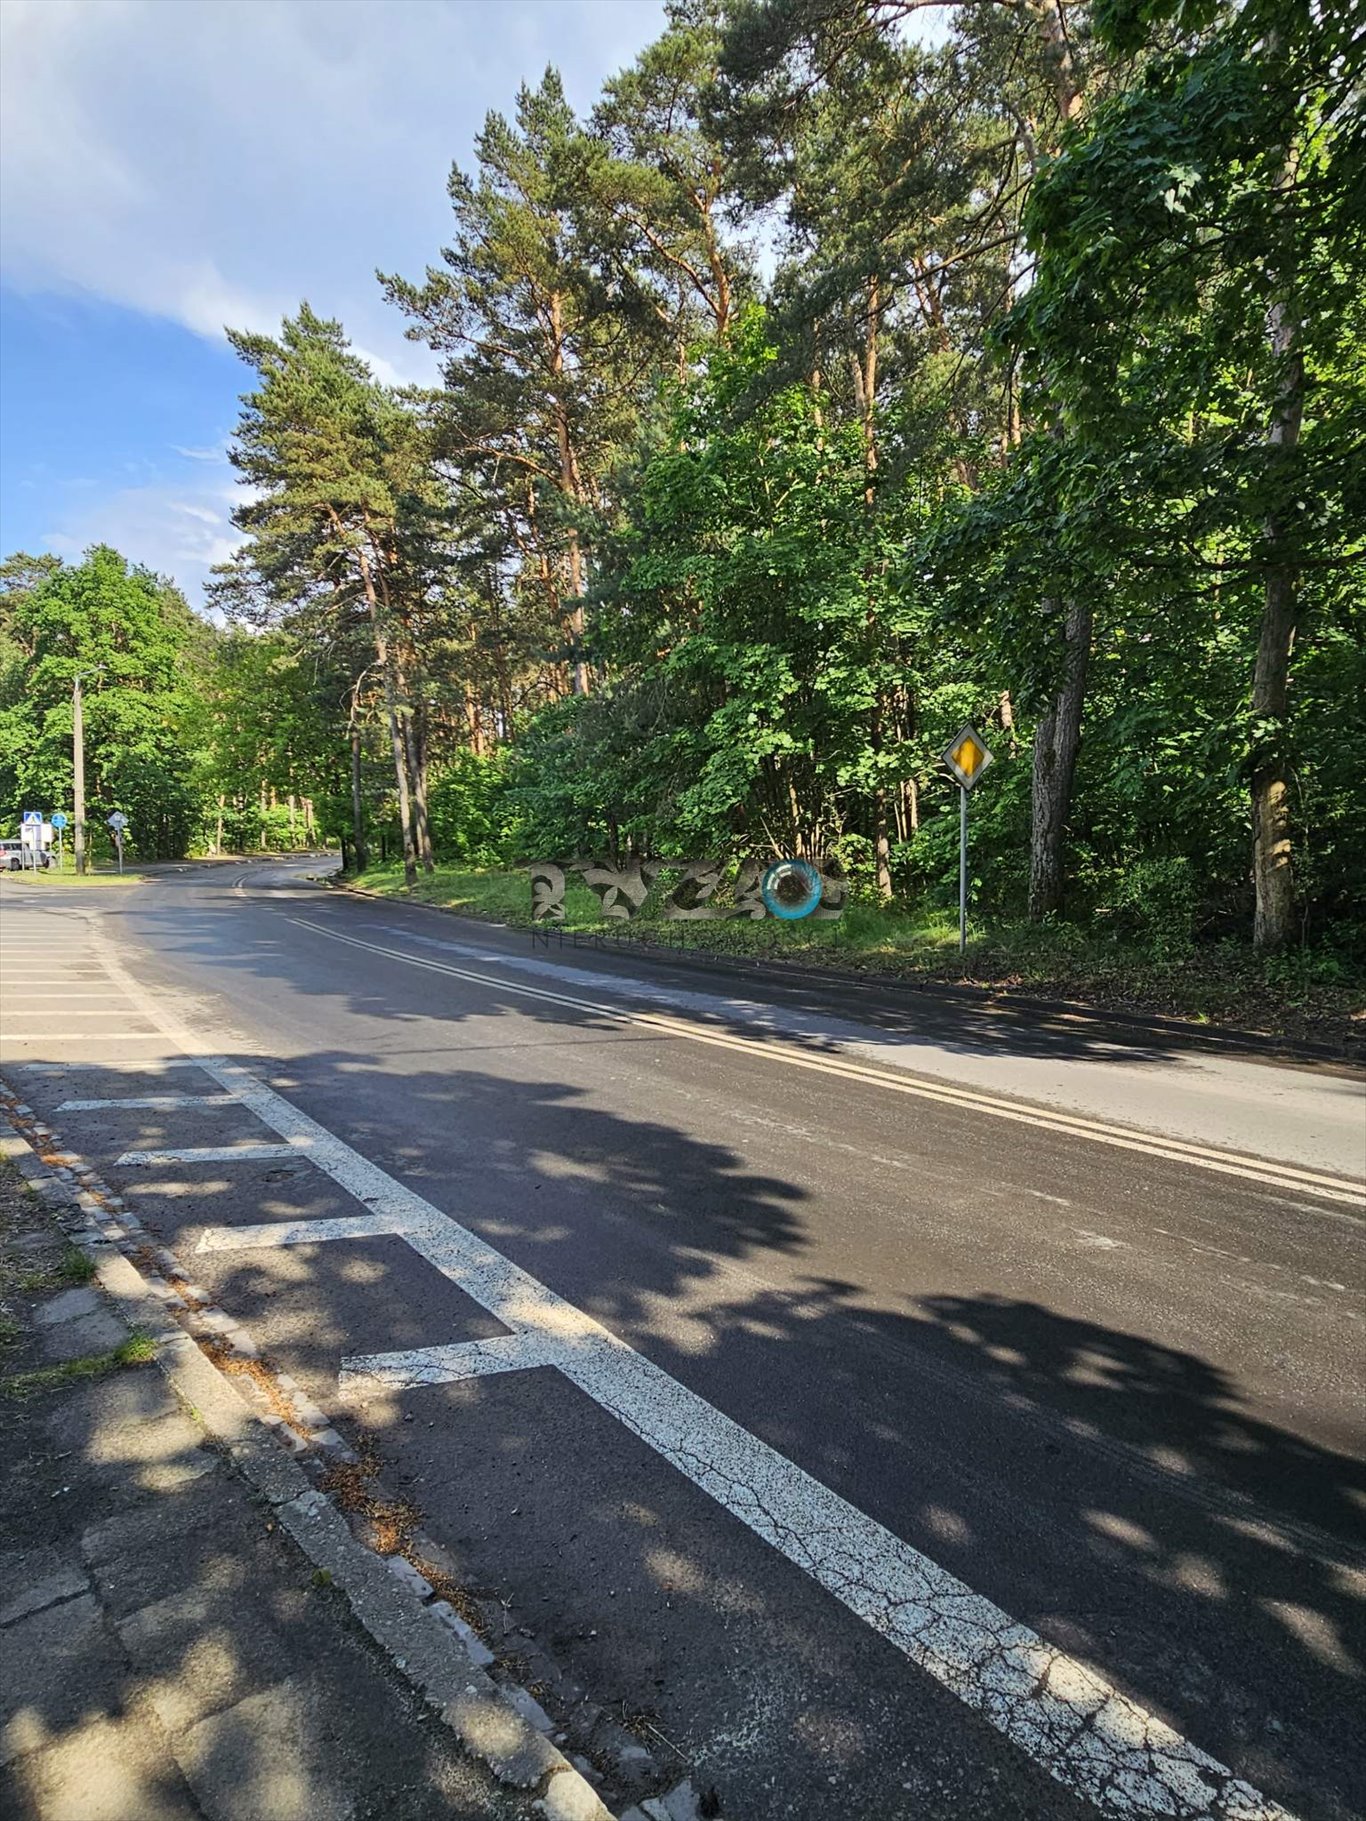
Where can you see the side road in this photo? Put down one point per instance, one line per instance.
(179, 1605)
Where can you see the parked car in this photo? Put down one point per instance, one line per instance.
(13, 856)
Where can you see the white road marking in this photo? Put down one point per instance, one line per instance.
(77, 1036)
(1085, 1732)
(45, 989)
(48, 986)
(148, 1065)
(774, 1049)
(1089, 1735)
(445, 1365)
(215, 1153)
(151, 1103)
(310, 1232)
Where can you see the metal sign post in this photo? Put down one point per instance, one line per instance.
(967, 757)
(962, 869)
(59, 823)
(31, 839)
(118, 822)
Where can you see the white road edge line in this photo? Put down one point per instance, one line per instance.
(1086, 1733)
(777, 1049)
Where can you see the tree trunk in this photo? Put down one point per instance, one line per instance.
(1274, 916)
(502, 670)
(405, 808)
(391, 715)
(865, 387)
(573, 490)
(882, 847)
(1055, 761)
(1008, 722)
(357, 806)
(1057, 47)
(417, 778)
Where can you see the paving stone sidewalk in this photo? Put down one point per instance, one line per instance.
(166, 1651)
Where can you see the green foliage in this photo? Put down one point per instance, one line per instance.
(475, 820)
(797, 403)
(137, 646)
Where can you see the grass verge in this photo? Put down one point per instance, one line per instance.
(1306, 996)
(73, 1267)
(135, 1351)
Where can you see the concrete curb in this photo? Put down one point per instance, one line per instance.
(442, 1658)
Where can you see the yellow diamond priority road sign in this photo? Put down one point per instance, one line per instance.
(967, 756)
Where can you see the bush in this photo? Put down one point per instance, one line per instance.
(1153, 902)
(474, 816)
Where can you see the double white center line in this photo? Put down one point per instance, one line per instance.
(787, 1053)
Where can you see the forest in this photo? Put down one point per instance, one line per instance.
(853, 369)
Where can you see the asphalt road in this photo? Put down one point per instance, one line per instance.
(909, 1408)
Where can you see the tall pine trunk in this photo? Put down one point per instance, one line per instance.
(1273, 924)
(357, 806)
(572, 488)
(1056, 743)
(418, 759)
(1058, 737)
(417, 782)
(865, 384)
(1274, 914)
(385, 657)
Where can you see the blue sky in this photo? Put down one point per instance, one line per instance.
(173, 165)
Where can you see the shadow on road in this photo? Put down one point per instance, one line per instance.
(1120, 1494)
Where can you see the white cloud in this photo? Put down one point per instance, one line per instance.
(213, 162)
(180, 527)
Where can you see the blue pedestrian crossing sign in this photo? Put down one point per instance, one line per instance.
(33, 815)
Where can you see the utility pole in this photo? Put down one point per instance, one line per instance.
(78, 771)
(78, 767)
